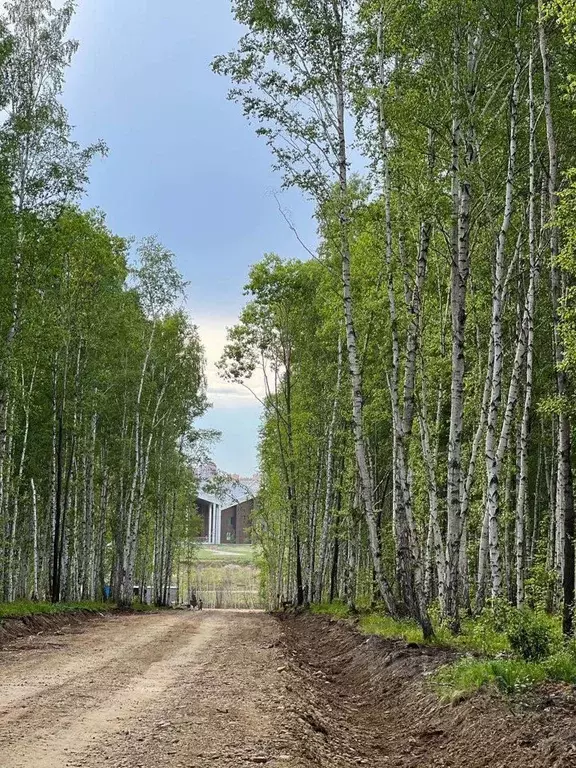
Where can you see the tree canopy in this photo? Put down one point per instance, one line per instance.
(416, 443)
(101, 372)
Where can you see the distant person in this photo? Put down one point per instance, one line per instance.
(193, 601)
(200, 604)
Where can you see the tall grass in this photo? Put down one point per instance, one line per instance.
(22, 608)
(336, 609)
(491, 662)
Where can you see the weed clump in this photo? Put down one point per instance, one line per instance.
(337, 609)
(510, 676)
(530, 637)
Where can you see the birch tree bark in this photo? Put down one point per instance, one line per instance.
(460, 270)
(522, 495)
(329, 493)
(564, 483)
(493, 460)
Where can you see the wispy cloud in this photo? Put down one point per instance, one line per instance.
(224, 394)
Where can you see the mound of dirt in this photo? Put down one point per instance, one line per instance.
(12, 629)
(367, 701)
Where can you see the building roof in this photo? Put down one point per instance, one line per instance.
(226, 490)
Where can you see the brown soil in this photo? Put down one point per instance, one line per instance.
(26, 626)
(235, 688)
(171, 689)
(368, 700)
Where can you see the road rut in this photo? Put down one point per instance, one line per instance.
(170, 689)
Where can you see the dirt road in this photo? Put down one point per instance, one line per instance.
(172, 689)
(233, 688)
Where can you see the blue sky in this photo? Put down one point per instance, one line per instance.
(183, 165)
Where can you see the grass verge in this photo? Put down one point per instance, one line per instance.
(22, 608)
(494, 664)
(230, 554)
(477, 636)
(510, 676)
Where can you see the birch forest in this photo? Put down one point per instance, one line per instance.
(419, 361)
(101, 372)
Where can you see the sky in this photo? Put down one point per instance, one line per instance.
(183, 164)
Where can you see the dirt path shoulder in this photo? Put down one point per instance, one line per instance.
(369, 701)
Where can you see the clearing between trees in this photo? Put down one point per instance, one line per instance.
(241, 688)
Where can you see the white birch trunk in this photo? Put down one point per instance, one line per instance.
(126, 591)
(328, 499)
(522, 495)
(366, 482)
(564, 489)
(493, 460)
(458, 284)
(35, 552)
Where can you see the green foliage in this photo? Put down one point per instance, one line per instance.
(565, 12)
(470, 675)
(158, 282)
(422, 91)
(481, 636)
(530, 636)
(503, 631)
(510, 676)
(477, 635)
(539, 586)
(561, 667)
(336, 609)
(47, 166)
(103, 374)
(497, 631)
(21, 608)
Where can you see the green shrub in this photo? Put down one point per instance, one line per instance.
(561, 667)
(530, 636)
(506, 675)
(481, 635)
(540, 586)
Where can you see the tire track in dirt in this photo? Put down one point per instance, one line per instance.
(34, 670)
(174, 689)
(84, 709)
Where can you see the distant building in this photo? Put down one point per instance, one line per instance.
(209, 509)
(235, 522)
(225, 514)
